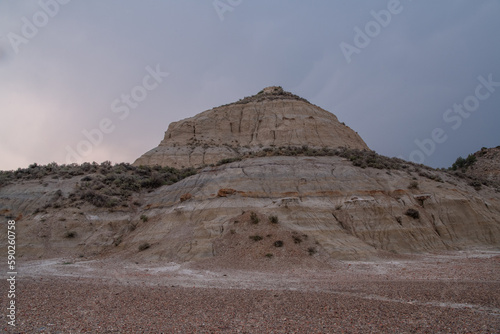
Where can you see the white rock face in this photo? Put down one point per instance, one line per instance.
(270, 118)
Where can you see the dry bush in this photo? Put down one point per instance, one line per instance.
(413, 185)
(273, 219)
(254, 219)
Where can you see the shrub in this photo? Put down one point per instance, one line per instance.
(144, 246)
(436, 178)
(228, 160)
(117, 241)
(413, 185)
(255, 237)
(269, 255)
(477, 185)
(152, 182)
(253, 218)
(273, 219)
(413, 213)
(311, 250)
(70, 234)
(462, 163)
(278, 243)
(97, 199)
(144, 218)
(296, 239)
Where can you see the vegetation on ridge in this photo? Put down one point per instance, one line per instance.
(368, 158)
(102, 185)
(359, 158)
(107, 185)
(462, 163)
(262, 96)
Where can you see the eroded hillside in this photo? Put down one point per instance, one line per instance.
(337, 209)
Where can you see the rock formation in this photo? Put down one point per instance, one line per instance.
(303, 203)
(272, 117)
(344, 212)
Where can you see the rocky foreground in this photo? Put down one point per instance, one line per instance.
(456, 292)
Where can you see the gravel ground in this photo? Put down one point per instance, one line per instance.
(62, 305)
(445, 293)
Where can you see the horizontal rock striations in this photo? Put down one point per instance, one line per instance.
(337, 210)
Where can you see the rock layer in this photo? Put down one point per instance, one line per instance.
(270, 118)
(346, 213)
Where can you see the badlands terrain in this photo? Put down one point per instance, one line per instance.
(266, 215)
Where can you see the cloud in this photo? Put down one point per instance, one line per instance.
(394, 92)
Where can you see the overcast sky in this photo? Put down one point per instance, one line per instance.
(416, 79)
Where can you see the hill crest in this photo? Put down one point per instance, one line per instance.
(270, 118)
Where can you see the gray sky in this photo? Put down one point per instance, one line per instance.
(391, 70)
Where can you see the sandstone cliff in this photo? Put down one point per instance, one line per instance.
(272, 117)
